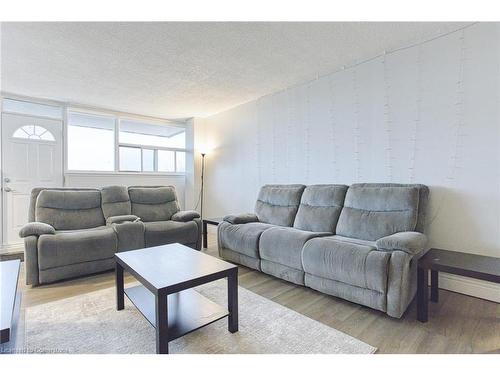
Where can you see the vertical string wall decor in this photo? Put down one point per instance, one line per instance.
(258, 143)
(307, 131)
(418, 115)
(288, 135)
(457, 128)
(273, 125)
(356, 128)
(459, 113)
(333, 128)
(387, 119)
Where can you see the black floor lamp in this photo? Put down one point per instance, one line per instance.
(202, 176)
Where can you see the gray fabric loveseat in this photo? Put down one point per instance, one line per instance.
(74, 232)
(359, 243)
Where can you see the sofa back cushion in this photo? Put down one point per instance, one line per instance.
(372, 211)
(320, 208)
(69, 209)
(278, 204)
(36, 191)
(153, 203)
(115, 201)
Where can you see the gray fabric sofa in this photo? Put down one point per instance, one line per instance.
(74, 232)
(357, 242)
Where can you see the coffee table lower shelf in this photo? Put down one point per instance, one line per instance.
(187, 310)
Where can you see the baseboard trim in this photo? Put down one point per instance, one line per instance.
(472, 287)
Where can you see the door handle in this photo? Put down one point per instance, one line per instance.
(7, 189)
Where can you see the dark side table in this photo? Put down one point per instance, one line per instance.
(462, 264)
(213, 221)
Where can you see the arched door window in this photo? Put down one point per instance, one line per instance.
(33, 132)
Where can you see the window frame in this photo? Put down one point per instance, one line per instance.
(150, 147)
(119, 116)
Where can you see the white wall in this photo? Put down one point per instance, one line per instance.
(107, 179)
(428, 114)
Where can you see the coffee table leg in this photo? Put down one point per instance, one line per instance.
(161, 305)
(232, 301)
(205, 239)
(422, 294)
(434, 286)
(119, 287)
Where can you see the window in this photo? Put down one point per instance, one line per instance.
(35, 132)
(95, 141)
(166, 161)
(152, 146)
(130, 159)
(33, 109)
(91, 142)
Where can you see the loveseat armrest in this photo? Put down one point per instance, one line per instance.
(122, 219)
(185, 216)
(36, 228)
(412, 243)
(241, 218)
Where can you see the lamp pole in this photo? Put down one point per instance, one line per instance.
(202, 175)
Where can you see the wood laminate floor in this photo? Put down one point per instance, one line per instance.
(457, 324)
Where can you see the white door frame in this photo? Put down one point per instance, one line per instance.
(3, 96)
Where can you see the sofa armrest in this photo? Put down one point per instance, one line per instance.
(36, 228)
(122, 219)
(185, 216)
(31, 260)
(241, 218)
(412, 243)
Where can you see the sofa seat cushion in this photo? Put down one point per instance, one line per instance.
(350, 263)
(242, 238)
(355, 241)
(164, 232)
(284, 245)
(78, 246)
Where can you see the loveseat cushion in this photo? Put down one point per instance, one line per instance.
(69, 209)
(153, 203)
(320, 208)
(242, 238)
(76, 246)
(373, 212)
(115, 201)
(278, 204)
(164, 232)
(284, 245)
(359, 265)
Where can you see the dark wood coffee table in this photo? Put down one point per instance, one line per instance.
(166, 298)
(454, 262)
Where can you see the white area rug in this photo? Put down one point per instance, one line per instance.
(89, 323)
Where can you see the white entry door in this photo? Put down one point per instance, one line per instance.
(31, 157)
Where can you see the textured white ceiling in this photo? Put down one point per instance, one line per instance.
(186, 69)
